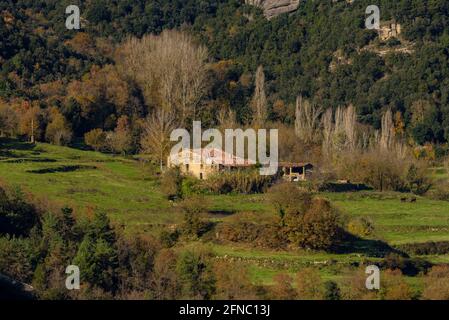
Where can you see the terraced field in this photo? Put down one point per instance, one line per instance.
(124, 189)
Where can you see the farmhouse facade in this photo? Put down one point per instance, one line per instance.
(203, 163)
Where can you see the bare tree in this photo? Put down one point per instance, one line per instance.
(340, 130)
(259, 101)
(156, 134)
(328, 131)
(387, 137)
(170, 69)
(350, 122)
(307, 122)
(226, 118)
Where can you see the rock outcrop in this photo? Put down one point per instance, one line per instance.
(273, 8)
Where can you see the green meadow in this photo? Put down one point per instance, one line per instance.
(130, 195)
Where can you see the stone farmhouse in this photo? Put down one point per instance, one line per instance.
(202, 163)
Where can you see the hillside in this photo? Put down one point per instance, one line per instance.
(357, 123)
(296, 49)
(131, 197)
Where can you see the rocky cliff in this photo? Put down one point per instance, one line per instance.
(273, 8)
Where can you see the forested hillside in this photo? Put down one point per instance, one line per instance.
(39, 57)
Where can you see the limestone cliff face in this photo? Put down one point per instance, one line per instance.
(273, 8)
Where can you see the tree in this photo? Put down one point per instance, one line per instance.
(259, 101)
(167, 284)
(195, 271)
(8, 119)
(30, 119)
(96, 139)
(155, 138)
(307, 121)
(317, 228)
(170, 69)
(58, 130)
(193, 207)
(288, 200)
(233, 282)
(121, 139)
(97, 254)
(282, 288)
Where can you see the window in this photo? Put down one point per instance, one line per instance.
(201, 176)
(187, 167)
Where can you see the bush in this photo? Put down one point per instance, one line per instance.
(417, 181)
(317, 228)
(361, 227)
(394, 287)
(233, 281)
(331, 291)
(436, 284)
(193, 207)
(244, 181)
(17, 216)
(171, 184)
(288, 199)
(257, 235)
(309, 284)
(426, 248)
(282, 288)
(440, 192)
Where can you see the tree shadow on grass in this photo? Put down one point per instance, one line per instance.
(370, 247)
(62, 169)
(8, 144)
(221, 213)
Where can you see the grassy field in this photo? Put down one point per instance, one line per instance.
(123, 189)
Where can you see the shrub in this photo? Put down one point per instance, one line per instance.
(288, 199)
(243, 181)
(193, 207)
(394, 287)
(331, 291)
(282, 288)
(417, 181)
(257, 235)
(232, 281)
(166, 282)
(17, 216)
(171, 184)
(440, 192)
(317, 228)
(354, 286)
(16, 256)
(361, 227)
(436, 284)
(309, 284)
